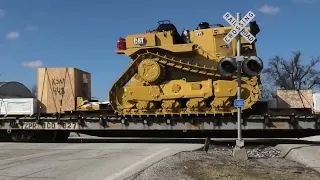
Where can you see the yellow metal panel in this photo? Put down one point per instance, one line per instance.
(164, 38)
(204, 39)
(179, 47)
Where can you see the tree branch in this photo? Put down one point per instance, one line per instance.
(293, 74)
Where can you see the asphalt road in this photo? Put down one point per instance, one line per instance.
(82, 161)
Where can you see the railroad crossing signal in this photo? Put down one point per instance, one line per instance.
(239, 27)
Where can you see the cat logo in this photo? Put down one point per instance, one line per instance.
(140, 41)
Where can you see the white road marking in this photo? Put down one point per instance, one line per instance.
(115, 175)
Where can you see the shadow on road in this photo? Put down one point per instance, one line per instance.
(134, 140)
(77, 138)
(227, 142)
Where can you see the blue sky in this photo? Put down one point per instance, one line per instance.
(83, 34)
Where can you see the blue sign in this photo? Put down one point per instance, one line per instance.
(239, 103)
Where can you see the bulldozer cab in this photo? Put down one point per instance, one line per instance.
(206, 37)
(166, 25)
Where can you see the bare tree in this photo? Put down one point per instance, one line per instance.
(34, 90)
(292, 74)
(267, 86)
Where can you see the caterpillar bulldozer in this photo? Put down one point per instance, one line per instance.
(192, 73)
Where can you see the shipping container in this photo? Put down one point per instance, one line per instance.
(294, 99)
(58, 88)
(18, 106)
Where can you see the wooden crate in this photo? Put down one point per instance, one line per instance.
(58, 88)
(294, 99)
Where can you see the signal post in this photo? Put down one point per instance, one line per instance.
(236, 33)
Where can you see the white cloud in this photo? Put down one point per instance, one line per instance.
(31, 28)
(32, 64)
(267, 9)
(306, 1)
(13, 35)
(2, 13)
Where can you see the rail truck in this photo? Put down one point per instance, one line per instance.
(177, 85)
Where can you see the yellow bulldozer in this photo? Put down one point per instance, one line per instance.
(192, 73)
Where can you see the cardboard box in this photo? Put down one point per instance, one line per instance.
(294, 99)
(58, 88)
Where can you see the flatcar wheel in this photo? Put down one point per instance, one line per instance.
(62, 135)
(21, 136)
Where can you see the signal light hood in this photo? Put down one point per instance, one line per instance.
(254, 28)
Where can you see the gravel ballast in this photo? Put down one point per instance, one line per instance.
(264, 164)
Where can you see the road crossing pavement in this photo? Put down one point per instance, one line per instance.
(111, 159)
(82, 161)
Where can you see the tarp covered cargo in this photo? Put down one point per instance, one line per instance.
(14, 89)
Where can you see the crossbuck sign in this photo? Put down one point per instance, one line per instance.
(239, 27)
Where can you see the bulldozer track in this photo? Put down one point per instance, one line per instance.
(173, 62)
